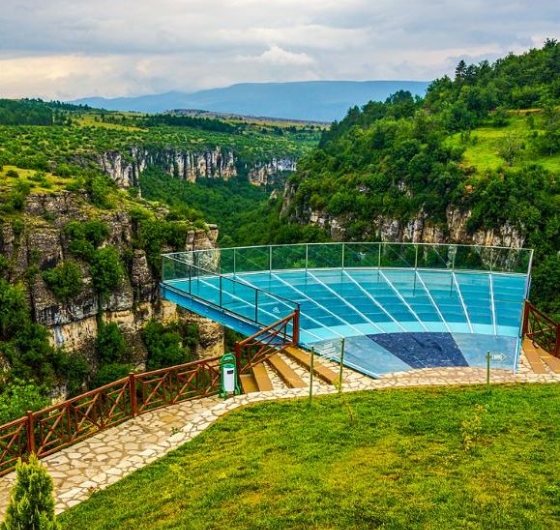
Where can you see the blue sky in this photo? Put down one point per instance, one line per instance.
(61, 49)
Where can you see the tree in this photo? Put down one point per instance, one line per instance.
(32, 503)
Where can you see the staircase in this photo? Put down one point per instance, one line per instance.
(288, 368)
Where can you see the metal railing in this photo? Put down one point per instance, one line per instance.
(541, 329)
(53, 428)
(231, 261)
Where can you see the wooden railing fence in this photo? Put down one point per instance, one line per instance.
(48, 430)
(541, 329)
(256, 348)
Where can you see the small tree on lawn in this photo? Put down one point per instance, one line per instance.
(32, 503)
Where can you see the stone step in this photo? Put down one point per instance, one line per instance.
(320, 370)
(285, 372)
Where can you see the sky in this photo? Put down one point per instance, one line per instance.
(66, 49)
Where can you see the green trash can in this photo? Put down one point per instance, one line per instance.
(228, 375)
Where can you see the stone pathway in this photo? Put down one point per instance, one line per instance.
(103, 459)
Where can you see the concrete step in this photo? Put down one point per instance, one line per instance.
(260, 374)
(552, 362)
(248, 383)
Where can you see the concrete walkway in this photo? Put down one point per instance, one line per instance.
(103, 459)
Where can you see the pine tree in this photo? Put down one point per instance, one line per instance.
(32, 503)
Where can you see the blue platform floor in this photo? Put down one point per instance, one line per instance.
(390, 319)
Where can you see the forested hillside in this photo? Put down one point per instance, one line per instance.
(476, 161)
(66, 140)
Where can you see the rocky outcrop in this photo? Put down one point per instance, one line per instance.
(126, 167)
(40, 243)
(421, 229)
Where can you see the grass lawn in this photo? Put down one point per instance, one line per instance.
(445, 458)
(484, 145)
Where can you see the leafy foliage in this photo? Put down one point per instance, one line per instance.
(107, 270)
(169, 345)
(17, 397)
(65, 280)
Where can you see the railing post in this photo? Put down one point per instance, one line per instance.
(132, 390)
(557, 347)
(238, 356)
(256, 306)
(295, 326)
(30, 431)
(526, 310)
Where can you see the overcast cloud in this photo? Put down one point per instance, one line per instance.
(60, 49)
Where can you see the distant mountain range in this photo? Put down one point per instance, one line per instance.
(323, 101)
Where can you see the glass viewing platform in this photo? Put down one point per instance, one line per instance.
(398, 306)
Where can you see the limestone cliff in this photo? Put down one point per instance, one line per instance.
(37, 241)
(126, 167)
(419, 229)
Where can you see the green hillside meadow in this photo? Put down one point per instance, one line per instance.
(442, 458)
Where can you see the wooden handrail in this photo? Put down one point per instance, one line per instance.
(541, 329)
(268, 341)
(52, 428)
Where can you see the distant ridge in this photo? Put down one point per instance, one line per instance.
(323, 101)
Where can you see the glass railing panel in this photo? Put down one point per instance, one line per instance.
(251, 259)
(328, 256)
(398, 255)
(289, 257)
(365, 255)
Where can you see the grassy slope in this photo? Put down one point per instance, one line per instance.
(482, 149)
(391, 459)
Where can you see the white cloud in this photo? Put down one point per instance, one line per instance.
(73, 48)
(278, 56)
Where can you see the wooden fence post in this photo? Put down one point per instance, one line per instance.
(30, 431)
(132, 390)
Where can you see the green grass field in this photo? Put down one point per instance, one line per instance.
(483, 146)
(445, 458)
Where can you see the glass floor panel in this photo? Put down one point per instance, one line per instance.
(390, 319)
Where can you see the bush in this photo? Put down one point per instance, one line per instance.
(18, 397)
(164, 345)
(107, 270)
(110, 345)
(32, 503)
(109, 373)
(65, 280)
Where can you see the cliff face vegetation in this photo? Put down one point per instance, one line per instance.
(77, 265)
(65, 140)
(79, 297)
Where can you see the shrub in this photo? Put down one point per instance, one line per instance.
(164, 345)
(107, 270)
(18, 397)
(65, 280)
(110, 345)
(32, 503)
